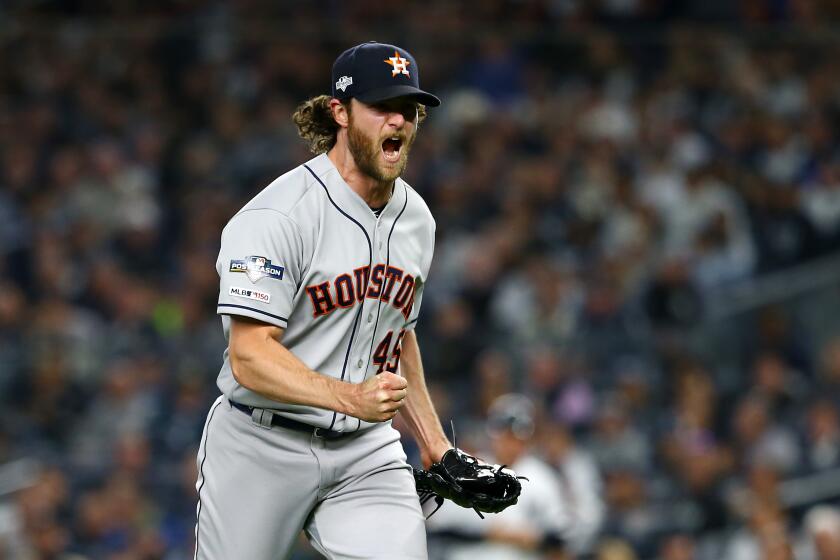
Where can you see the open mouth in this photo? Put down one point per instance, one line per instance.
(391, 148)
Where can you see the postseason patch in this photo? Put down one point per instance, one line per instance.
(256, 268)
(250, 294)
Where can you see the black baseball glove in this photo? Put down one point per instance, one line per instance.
(468, 482)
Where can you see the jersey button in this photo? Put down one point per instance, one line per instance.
(370, 317)
(360, 363)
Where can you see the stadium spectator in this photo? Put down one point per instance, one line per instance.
(637, 226)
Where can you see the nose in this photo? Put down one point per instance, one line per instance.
(396, 119)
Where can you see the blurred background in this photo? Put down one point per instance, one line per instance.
(638, 210)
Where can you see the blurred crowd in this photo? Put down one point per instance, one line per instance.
(592, 189)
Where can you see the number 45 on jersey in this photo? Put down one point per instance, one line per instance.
(381, 357)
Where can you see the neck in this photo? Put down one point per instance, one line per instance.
(375, 193)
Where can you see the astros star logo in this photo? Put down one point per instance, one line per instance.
(400, 64)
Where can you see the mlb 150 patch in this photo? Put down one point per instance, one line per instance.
(256, 268)
(250, 294)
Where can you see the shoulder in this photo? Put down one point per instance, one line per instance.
(292, 197)
(537, 471)
(286, 193)
(418, 207)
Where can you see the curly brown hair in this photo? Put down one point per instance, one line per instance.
(316, 124)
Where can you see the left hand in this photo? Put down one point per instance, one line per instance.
(430, 456)
(469, 482)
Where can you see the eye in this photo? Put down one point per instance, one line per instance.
(410, 112)
(407, 108)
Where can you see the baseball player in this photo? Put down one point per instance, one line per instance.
(321, 280)
(539, 527)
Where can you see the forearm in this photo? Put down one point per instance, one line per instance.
(419, 412)
(520, 538)
(268, 368)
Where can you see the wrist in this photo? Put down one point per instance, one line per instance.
(345, 397)
(434, 453)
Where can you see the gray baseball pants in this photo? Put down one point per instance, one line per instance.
(258, 487)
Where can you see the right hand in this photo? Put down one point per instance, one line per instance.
(379, 398)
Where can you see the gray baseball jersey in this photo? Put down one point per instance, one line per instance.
(307, 254)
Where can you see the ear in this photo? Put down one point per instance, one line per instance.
(339, 113)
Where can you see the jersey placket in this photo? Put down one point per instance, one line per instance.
(385, 227)
(372, 307)
(382, 230)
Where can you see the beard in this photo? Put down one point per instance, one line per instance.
(367, 153)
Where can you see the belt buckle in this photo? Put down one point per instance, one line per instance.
(319, 433)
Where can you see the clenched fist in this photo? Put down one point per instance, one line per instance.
(379, 398)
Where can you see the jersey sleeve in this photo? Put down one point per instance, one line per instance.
(414, 312)
(259, 266)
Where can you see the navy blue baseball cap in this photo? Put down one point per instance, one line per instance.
(373, 72)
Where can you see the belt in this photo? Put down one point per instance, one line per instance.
(267, 418)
